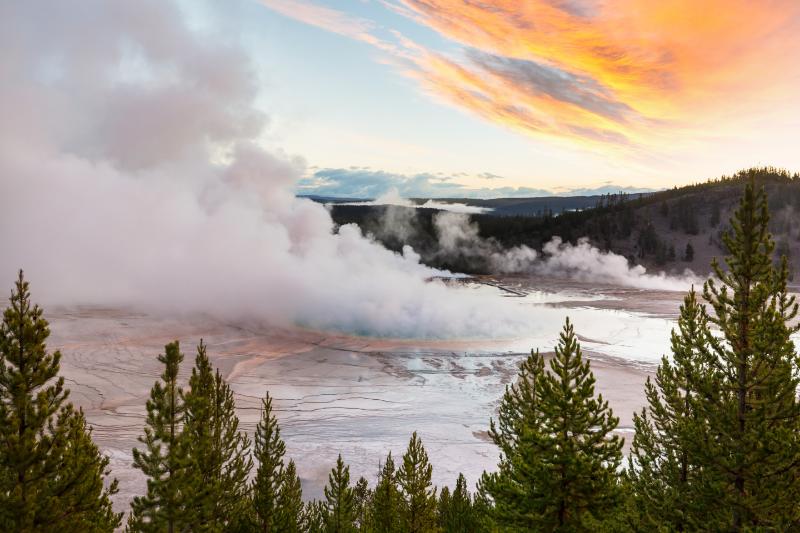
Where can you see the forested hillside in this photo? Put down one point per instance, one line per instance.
(669, 230)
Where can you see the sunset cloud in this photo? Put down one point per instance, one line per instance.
(604, 70)
(624, 75)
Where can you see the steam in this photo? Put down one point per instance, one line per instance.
(392, 198)
(131, 174)
(459, 239)
(584, 262)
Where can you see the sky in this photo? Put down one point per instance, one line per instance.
(136, 172)
(518, 98)
(449, 97)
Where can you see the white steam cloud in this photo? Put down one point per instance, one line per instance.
(459, 237)
(393, 198)
(130, 174)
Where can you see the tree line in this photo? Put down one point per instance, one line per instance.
(717, 447)
(626, 224)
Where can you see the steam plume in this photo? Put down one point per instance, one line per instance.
(459, 239)
(131, 174)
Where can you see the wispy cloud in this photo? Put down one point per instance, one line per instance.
(617, 64)
(621, 74)
(324, 18)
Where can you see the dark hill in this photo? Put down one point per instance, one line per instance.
(649, 229)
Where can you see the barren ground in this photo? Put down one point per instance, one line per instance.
(355, 395)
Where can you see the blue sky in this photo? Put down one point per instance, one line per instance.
(401, 89)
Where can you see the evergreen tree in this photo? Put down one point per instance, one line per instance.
(443, 508)
(269, 450)
(289, 502)
(418, 510)
(506, 495)
(688, 254)
(481, 513)
(363, 499)
(385, 515)
(747, 438)
(662, 473)
(341, 513)
(559, 459)
(216, 459)
(160, 460)
(51, 473)
(456, 513)
(315, 516)
(671, 252)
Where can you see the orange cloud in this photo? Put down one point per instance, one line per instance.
(660, 60)
(616, 73)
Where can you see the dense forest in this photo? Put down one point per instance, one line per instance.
(717, 448)
(667, 230)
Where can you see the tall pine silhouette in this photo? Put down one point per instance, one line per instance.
(341, 506)
(741, 428)
(215, 452)
(289, 506)
(161, 460)
(418, 509)
(456, 512)
(558, 456)
(386, 500)
(52, 476)
(268, 451)
(663, 473)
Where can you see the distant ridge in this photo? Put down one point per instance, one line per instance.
(652, 229)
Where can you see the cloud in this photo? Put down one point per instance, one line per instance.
(526, 96)
(393, 198)
(624, 75)
(105, 200)
(539, 79)
(490, 176)
(324, 18)
(365, 183)
(630, 61)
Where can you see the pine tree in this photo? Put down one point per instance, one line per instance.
(289, 502)
(160, 460)
(362, 496)
(315, 515)
(385, 515)
(508, 494)
(418, 510)
(341, 515)
(216, 459)
(443, 509)
(688, 254)
(662, 473)
(481, 513)
(748, 438)
(52, 475)
(559, 459)
(269, 451)
(456, 513)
